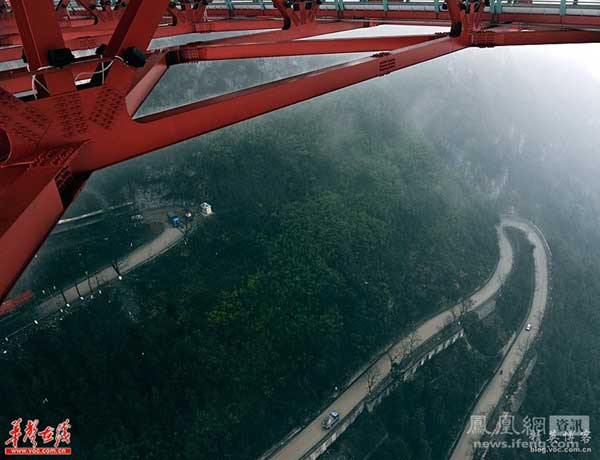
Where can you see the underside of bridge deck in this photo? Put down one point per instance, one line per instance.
(62, 117)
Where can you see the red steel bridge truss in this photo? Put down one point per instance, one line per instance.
(63, 117)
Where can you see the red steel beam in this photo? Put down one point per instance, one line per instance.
(91, 36)
(135, 137)
(348, 14)
(38, 29)
(549, 19)
(19, 80)
(9, 31)
(50, 146)
(253, 46)
(40, 33)
(534, 37)
(91, 42)
(144, 80)
(202, 52)
(137, 25)
(29, 209)
(82, 40)
(11, 53)
(233, 24)
(35, 190)
(307, 30)
(427, 17)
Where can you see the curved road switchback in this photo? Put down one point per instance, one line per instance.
(497, 386)
(301, 443)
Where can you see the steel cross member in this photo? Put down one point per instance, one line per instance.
(54, 138)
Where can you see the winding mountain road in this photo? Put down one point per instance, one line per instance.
(297, 447)
(497, 386)
(163, 242)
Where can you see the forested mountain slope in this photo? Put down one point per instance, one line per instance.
(336, 226)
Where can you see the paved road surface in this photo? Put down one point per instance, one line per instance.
(494, 391)
(308, 437)
(91, 218)
(137, 257)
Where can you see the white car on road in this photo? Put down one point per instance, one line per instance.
(330, 420)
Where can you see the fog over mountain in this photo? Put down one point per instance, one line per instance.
(340, 223)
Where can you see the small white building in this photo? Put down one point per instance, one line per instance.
(206, 209)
